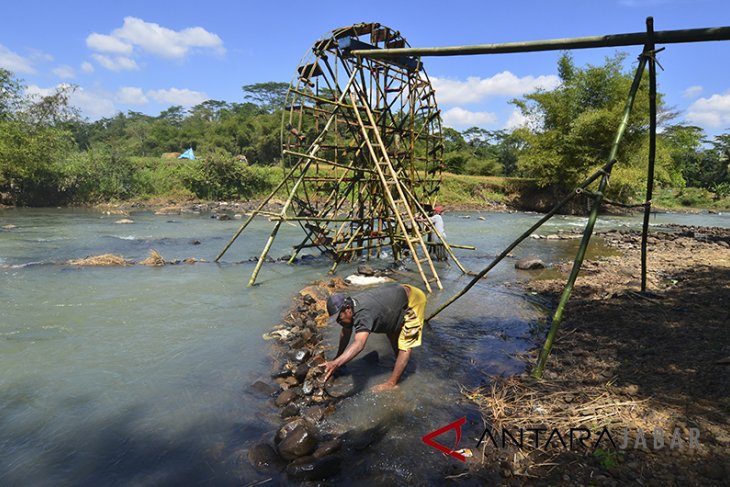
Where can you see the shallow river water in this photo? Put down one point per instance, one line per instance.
(139, 375)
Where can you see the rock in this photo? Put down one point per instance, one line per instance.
(327, 448)
(297, 440)
(9, 226)
(529, 263)
(285, 397)
(290, 381)
(264, 458)
(310, 468)
(195, 242)
(340, 387)
(301, 372)
(365, 270)
(261, 387)
(281, 374)
(289, 411)
(308, 387)
(300, 356)
(307, 335)
(297, 343)
(124, 221)
(308, 299)
(314, 414)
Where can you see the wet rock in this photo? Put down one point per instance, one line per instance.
(308, 387)
(124, 221)
(300, 356)
(529, 263)
(308, 299)
(310, 468)
(289, 411)
(297, 440)
(307, 335)
(340, 387)
(296, 343)
(327, 448)
(362, 439)
(301, 372)
(314, 414)
(195, 242)
(285, 397)
(263, 457)
(281, 374)
(261, 387)
(289, 382)
(365, 270)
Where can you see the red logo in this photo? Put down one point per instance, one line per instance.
(456, 425)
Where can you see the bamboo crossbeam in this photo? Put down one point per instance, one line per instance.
(326, 161)
(611, 40)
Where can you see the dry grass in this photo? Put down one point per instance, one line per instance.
(100, 260)
(154, 259)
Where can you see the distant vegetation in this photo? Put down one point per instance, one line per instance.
(50, 156)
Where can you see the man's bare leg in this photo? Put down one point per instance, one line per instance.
(400, 365)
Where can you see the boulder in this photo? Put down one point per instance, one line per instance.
(286, 397)
(529, 264)
(263, 457)
(297, 440)
(289, 411)
(313, 414)
(341, 387)
(310, 468)
(327, 448)
(365, 270)
(261, 387)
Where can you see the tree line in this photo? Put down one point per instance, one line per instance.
(49, 155)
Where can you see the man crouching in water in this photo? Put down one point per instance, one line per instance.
(396, 310)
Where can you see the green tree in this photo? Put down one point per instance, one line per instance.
(574, 126)
(270, 95)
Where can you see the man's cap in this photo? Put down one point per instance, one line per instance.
(335, 303)
(438, 209)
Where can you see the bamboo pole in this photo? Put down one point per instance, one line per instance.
(612, 40)
(650, 49)
(256, 211)
(522, 237)
(558, 315)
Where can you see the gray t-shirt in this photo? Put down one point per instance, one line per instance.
(379, 310)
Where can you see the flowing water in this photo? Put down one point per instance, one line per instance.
(139, 375)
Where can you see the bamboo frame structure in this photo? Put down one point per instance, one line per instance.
(648, 39)
(365, 155)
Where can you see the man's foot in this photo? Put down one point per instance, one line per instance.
(385, 386)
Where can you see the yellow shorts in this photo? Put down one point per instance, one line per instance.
(410, 334)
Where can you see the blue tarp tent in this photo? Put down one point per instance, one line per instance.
(188, 154)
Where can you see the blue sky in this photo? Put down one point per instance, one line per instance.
(148, 55)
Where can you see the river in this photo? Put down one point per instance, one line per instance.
(139, 375)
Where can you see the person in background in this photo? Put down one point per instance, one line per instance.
(438, 251)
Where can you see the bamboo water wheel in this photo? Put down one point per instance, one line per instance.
(362, 142)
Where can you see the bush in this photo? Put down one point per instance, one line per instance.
(219, 176)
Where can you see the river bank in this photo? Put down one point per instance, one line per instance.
(624, 361)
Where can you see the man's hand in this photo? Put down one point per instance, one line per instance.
(329, 369)
(385, 386)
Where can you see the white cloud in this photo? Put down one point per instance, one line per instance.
(155, 39)
(693, 91)
(713, 112)
(516, 120)
(119, 63)
(15, 62)
(130, 95)
(64, 72)
(176, 96)
(106, 43)
(87, 67)
(36, 91)
(93, 104)
(474, 89)
(458, 117)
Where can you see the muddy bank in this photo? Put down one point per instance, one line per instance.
(649, 364)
